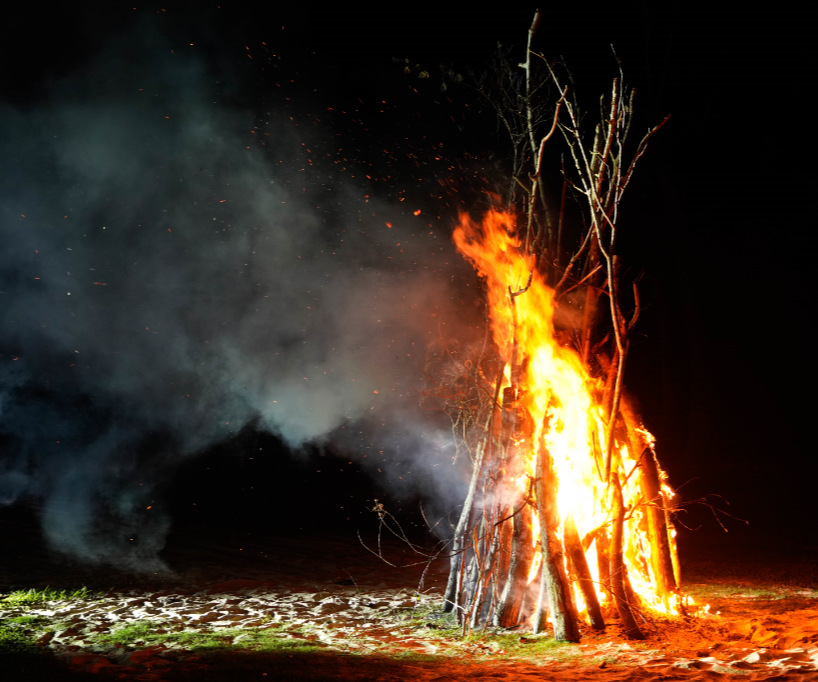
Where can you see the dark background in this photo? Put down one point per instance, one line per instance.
(717, 218)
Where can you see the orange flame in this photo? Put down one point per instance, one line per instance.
(565, 417)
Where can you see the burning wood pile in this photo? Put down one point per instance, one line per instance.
(567, 518)
(567, 512)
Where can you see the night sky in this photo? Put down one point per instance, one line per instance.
(226, 256)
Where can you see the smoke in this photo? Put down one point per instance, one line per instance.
(167, 280)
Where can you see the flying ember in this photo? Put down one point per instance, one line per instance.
(570, 511)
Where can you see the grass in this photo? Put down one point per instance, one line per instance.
(532, 646)
(435, 621)
(21, 658)
(14, 641)
(506, 645)
(200, 640)
(278, 639)
(27, 620)
(33, 597)
(137, 632)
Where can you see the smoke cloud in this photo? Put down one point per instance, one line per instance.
(167, 280)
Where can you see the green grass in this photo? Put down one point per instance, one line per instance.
(151, 633)
(271, 640)
(531, 646)
(436, 622)
(27, 620)
(13, 640)
(21, 655)
(437, 625)
(137, 632)
(21, 658)
(33, 596)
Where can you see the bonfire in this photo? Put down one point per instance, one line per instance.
(568, 515)
(568, 506)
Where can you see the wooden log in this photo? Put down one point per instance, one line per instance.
(579, 564)
(511, 611)
(543, 607)
(553, 583)
(658, 532)
(458, 559)
(603, 546)
(484, 559)
(516, 423)
(674, 553)
(505, 556)
(618, 577)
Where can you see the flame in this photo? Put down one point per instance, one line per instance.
(564, 419)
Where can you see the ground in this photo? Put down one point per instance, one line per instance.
(257, 607)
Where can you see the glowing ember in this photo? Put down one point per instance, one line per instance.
(560, 463)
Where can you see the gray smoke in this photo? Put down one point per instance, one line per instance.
(166, 280)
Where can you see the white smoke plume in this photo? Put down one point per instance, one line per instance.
(166, 280)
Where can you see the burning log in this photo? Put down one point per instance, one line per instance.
(585, 581)
(658, 531)
(618, 571)
(553, 581)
